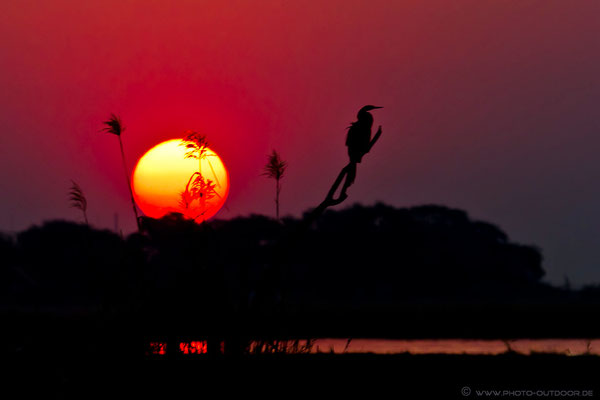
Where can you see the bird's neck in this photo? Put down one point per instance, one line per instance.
(365, 117)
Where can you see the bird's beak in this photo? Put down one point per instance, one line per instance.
(374, 107)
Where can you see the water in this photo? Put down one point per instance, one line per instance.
(458, 346)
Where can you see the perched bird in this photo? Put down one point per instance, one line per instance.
(359, 142)
(358, 139)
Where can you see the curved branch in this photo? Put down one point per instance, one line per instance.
(330, 200)
(375, 139)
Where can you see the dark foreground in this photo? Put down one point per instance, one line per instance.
(88, 358)
(80, 376)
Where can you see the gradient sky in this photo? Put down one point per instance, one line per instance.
(490, 106)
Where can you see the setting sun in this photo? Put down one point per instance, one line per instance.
(174, 176)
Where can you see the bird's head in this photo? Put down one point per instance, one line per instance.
(367, 109)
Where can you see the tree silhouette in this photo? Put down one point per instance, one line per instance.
(78, 200)
(275, 168)
(114, 126)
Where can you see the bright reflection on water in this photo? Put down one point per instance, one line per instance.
(458, 346)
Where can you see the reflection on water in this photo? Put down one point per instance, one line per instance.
(570, 347)
(458, 346)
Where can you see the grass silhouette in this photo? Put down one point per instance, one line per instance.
(115, 127)
(78, 200)
(199, 187)
(275, 169)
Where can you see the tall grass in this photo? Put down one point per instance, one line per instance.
(275, 169)
(115, 127)
(78, 200)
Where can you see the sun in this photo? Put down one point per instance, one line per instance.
(165, 181)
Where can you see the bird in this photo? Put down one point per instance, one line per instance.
(358, 139)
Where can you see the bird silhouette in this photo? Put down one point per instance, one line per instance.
(358, 139)
(359, 142)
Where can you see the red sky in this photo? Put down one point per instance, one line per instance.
(490, 106)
